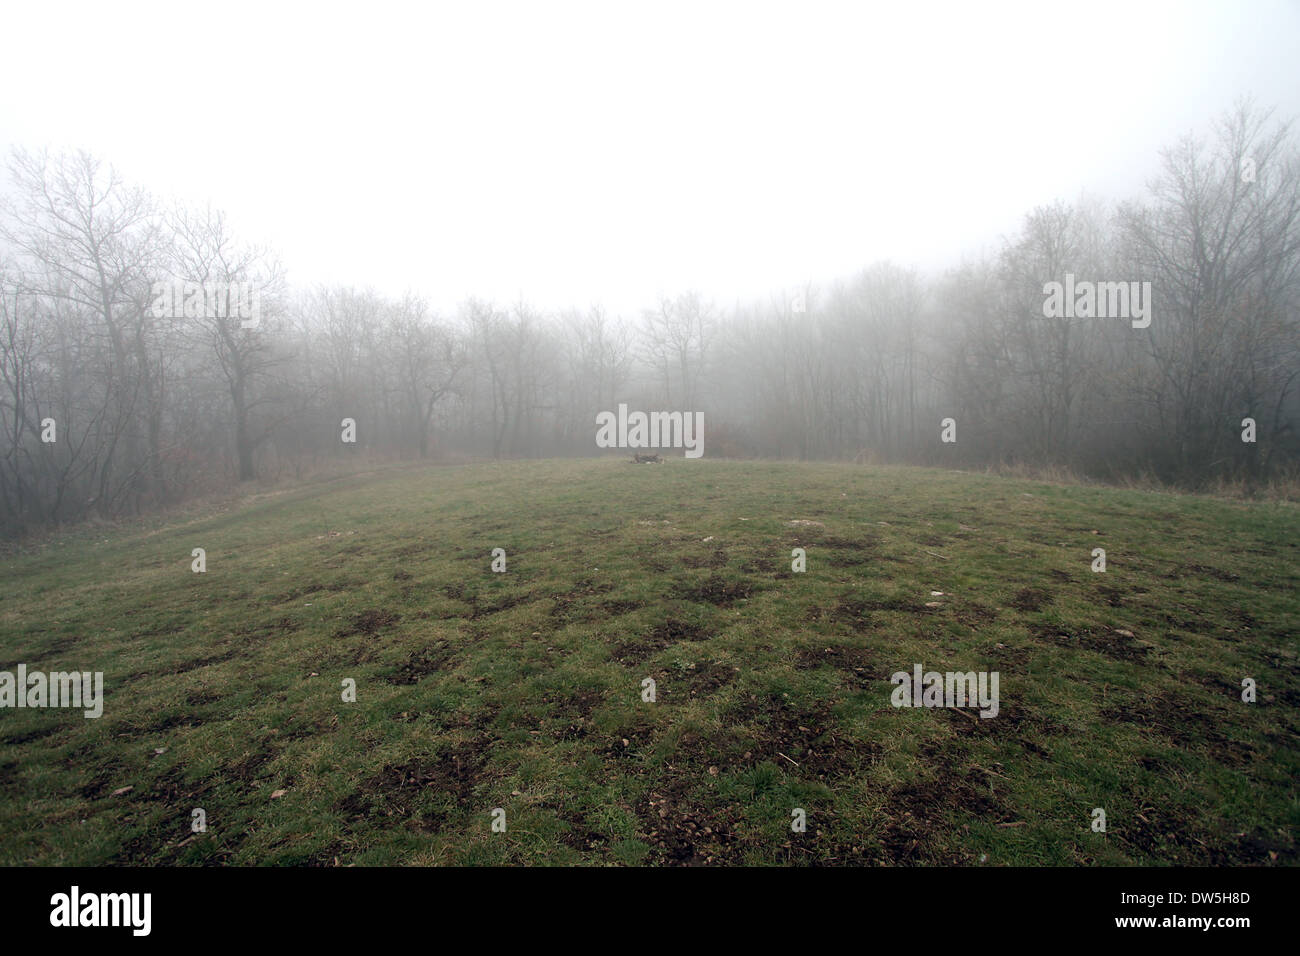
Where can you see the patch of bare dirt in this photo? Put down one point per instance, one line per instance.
(574, 710)
(665, 634)
(682, 832)
(1183, 718)
(919, 814)
(420, 664)
(699, 679)
(397, 791)
(1030, 599)
(716, 590)
(616, 608)
(503, 603)
(858, 610)
(715, 559)
(1113, 596)
(974, 615)
(856, 663)
(1116, 645)
(369, 622)
(802, 739)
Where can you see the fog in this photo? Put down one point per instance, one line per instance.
(573, 153)
(827, 229)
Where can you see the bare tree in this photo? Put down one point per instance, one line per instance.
(203, 253)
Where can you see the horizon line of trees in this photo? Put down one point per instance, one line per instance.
(111, 406)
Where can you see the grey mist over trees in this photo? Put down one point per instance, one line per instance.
(110, 406)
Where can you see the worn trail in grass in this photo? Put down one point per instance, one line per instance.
(523, 690)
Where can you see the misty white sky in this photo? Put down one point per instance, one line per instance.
(578, 152)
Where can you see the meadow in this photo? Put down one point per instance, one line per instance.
(524, 689)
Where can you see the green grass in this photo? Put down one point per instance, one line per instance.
(522, 690)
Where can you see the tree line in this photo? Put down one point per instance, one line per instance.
(114, 402)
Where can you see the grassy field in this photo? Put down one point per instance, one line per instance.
(523, 690)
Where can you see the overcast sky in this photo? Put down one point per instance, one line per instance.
(571, 153)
